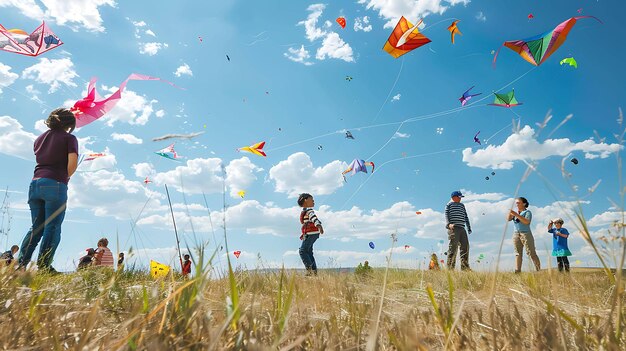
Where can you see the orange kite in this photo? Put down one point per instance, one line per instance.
(454, 30)
(404, 38)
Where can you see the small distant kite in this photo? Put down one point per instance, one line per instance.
(200, 38)
(580, 10)
(256, 149)
(348, 78)
(237, 253)
(341, 21)
(454, 30)
(168, 152)
(537, 49)
(177, 136)
(476, 140)
(406, 247)
(241, 193)
(570, 61)
(574, 160)
(356, 166)
(530, 16)
(404, 38)
(92, 107)
(349, 135)
(89, 157)
(418, 212)
(505, 100)
(467, 96)
(372, 246)
(228, 58)
(36, 43)
(320, 147)
(492, 174)
(147, 181)
(158, 270)
(439, 130)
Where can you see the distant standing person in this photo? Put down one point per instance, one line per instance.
(311, 230)
(104, 256)
(456, 220)
(56, 153)
(7, 256)
(522, 235)
(559, 243)
(186, 266)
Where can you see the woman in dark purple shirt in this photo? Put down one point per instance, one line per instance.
(56, 152)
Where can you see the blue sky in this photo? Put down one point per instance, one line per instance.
(285, 84)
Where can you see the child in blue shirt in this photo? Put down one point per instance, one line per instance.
(559, 243)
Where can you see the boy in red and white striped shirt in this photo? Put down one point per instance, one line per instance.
(311, 230)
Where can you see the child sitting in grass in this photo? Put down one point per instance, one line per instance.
(434, 262)
(559, 243)
(311, 230)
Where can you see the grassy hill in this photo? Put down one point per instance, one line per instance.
(99, 309)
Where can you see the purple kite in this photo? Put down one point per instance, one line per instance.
(36, 43)
(93, 106)
(537, 49)
(476, 140)
(467, 96)
(356, 166)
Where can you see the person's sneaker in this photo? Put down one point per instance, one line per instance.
(518, 272)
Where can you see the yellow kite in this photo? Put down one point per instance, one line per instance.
(256, 149)
(454, 30)
(404, 38)
(158, 270)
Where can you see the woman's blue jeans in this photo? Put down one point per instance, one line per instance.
(47, 200)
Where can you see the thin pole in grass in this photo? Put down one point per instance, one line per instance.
(219, 259)
(180, 258)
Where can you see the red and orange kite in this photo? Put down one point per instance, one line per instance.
(404, 38)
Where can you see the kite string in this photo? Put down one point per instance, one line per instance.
(390, 91)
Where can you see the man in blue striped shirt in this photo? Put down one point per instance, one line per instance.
(456, 220)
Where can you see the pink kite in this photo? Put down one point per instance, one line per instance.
(93, 106)
(36, 43)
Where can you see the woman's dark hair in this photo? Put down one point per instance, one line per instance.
(61, 118)
(523, 199)
(302, 198)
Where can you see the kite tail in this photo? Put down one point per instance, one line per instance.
(495, 57)
(594, 17)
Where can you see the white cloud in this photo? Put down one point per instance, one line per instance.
(523, 146)
(202, 175)
(396, 97)
(143, 170)
(160, 113)
(72, 13)
(296, 174)
(334, 47)
(40, 126)
(14, 140)
(110, 194)
(52, 72)
(184, 69)
(6, 76)
(151, 49)
(392, 10)
(481, 16)
(128, 138)
(401, 135)
(299, 55)
(362, 23)
(310, 24)
(150, 33)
